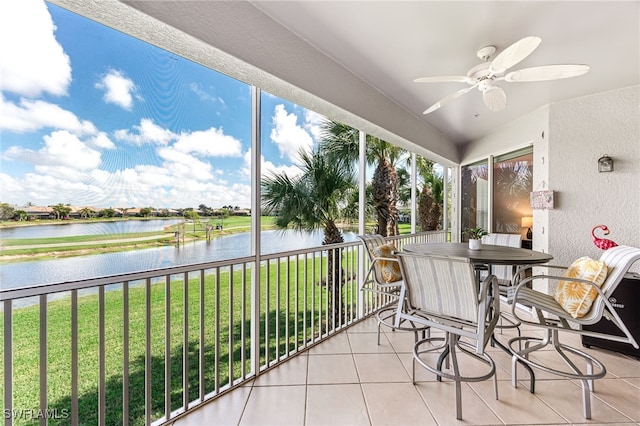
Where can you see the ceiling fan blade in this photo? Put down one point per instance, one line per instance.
(448, 99)
(514, 54)
(442, 79)
(547, 72)
(494, 98)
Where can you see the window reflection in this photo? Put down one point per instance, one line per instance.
(512, 183)
(475, 195)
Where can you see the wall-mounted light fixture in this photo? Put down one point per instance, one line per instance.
(527, 222)
(605, 164)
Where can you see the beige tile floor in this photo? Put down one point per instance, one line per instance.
(350, 380)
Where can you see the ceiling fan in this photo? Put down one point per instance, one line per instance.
(485, 75)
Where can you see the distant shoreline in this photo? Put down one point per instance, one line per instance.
(36, 249)
(29, 249)
(9, 224)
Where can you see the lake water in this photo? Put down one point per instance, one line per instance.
(23, 274)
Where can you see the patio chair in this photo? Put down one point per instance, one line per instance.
(504, 273)
(444, 291)
(385, 279)
(507, 275)
(581, 298)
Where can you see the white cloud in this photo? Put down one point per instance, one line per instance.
(61, 148)
(150, 176)
(146, 133)
(204, 95)
(49, 189)
(8, 185)
(211, 142)
(185, 166)
(118, 89)
(267, 168)
(208, 143)
(313, 123)
(30, 116)
(33, 62)
(288, 135)
(161, 187)
(101, 141)
(169, 185)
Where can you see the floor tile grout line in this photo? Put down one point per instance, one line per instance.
(595, 395)
(306, 390)
(360, 386)
(246, 401)
(484, 401)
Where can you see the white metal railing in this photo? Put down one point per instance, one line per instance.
(145, 347)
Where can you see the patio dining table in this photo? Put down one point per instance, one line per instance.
(487, 255)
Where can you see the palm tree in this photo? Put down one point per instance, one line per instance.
(430, 200)
(61, 211)
(312, 200)
(341, 144)
(385, 185)
(85, 212)
(404, 185)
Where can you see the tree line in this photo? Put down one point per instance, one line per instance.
(62, 211)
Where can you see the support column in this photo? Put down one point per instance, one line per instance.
(414, 197)
(255, 229)
(362, 226)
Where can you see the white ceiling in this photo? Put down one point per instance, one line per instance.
(389, 44)
(362, 56)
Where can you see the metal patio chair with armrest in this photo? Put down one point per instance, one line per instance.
(557, 313)
(444, 291)
(385, 279)
(507, 275)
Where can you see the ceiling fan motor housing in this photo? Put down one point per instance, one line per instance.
(485, 85)
(478, 72)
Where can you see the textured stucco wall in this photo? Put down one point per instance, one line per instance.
(576, 133)
(581, 130)
(517, 134)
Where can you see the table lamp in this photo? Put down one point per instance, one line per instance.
(527, 222)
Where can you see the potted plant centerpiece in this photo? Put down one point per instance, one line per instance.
(475, 237)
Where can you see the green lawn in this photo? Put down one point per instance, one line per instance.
(295, 307)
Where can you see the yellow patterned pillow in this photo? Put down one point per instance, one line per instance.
(576, 297)
(388, 270)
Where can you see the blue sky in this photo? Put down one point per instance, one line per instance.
(92, 117)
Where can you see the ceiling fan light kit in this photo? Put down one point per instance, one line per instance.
(484, 75)
(494, 98)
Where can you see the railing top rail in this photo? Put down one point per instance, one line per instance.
(37, 290)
